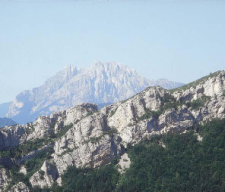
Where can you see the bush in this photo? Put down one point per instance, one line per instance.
(34, 164)
(196, 104)
(42, 173)
(64, 130)
(148, 114)
(100, 179)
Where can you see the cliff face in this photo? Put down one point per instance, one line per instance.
(101, 83)
(86, 137)
(4, 178)
(43, 126)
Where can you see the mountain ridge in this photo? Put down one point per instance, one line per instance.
(4, 108)
(101, 83)
(6, 122)
(84, 136)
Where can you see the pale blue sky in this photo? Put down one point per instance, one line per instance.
(177, 40)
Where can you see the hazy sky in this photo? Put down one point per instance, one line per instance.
(178, 40)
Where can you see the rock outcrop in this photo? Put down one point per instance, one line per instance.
(45, 176)
(96, 137)
(43, 126)
(4, 179)
(19, 187)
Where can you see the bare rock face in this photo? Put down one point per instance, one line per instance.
(12, 136)
(45, 176)
(19, 187)
(4, 179)
(96, 137)
(43, 126)
(212, 86)
(126, 113)
(100, 83)
(124, 163)
(87, 144)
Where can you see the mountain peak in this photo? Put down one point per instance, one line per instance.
(113, 67)
(69, 70)
(98, 64)
(103, 82)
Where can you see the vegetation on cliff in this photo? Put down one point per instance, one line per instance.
(182, 163)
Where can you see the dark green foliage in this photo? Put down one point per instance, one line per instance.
(4, 153)
(112, 112)
(66, 151)
(42, 173)
(89, 113)
(168, 102)
(96, 180)
(168, 98)
(110, 132)
(56, 188)
(94, 139)
(39, 189)
(196, 104)
(64, 130)
(149, 113)
(223, 94)
(34, 164)
(21, 150)
(16, 177)
(184, 165)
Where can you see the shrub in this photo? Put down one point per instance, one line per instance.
(223, 93)
(196, 104)
(148, 114)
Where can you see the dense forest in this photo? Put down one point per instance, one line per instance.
(171, 162)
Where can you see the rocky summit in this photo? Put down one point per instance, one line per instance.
(102, 83)
(83, 136)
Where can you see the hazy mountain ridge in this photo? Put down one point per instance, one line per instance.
(86, 137)
(100, 83)
(6, 122)
(4, 108)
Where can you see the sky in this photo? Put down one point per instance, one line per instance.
(180, 40)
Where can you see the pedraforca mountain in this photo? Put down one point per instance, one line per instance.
(84, 136)
(102, 83)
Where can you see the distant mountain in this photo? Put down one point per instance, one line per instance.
(101, 83)
(167, 84)
(6, 122)
(4, 108)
